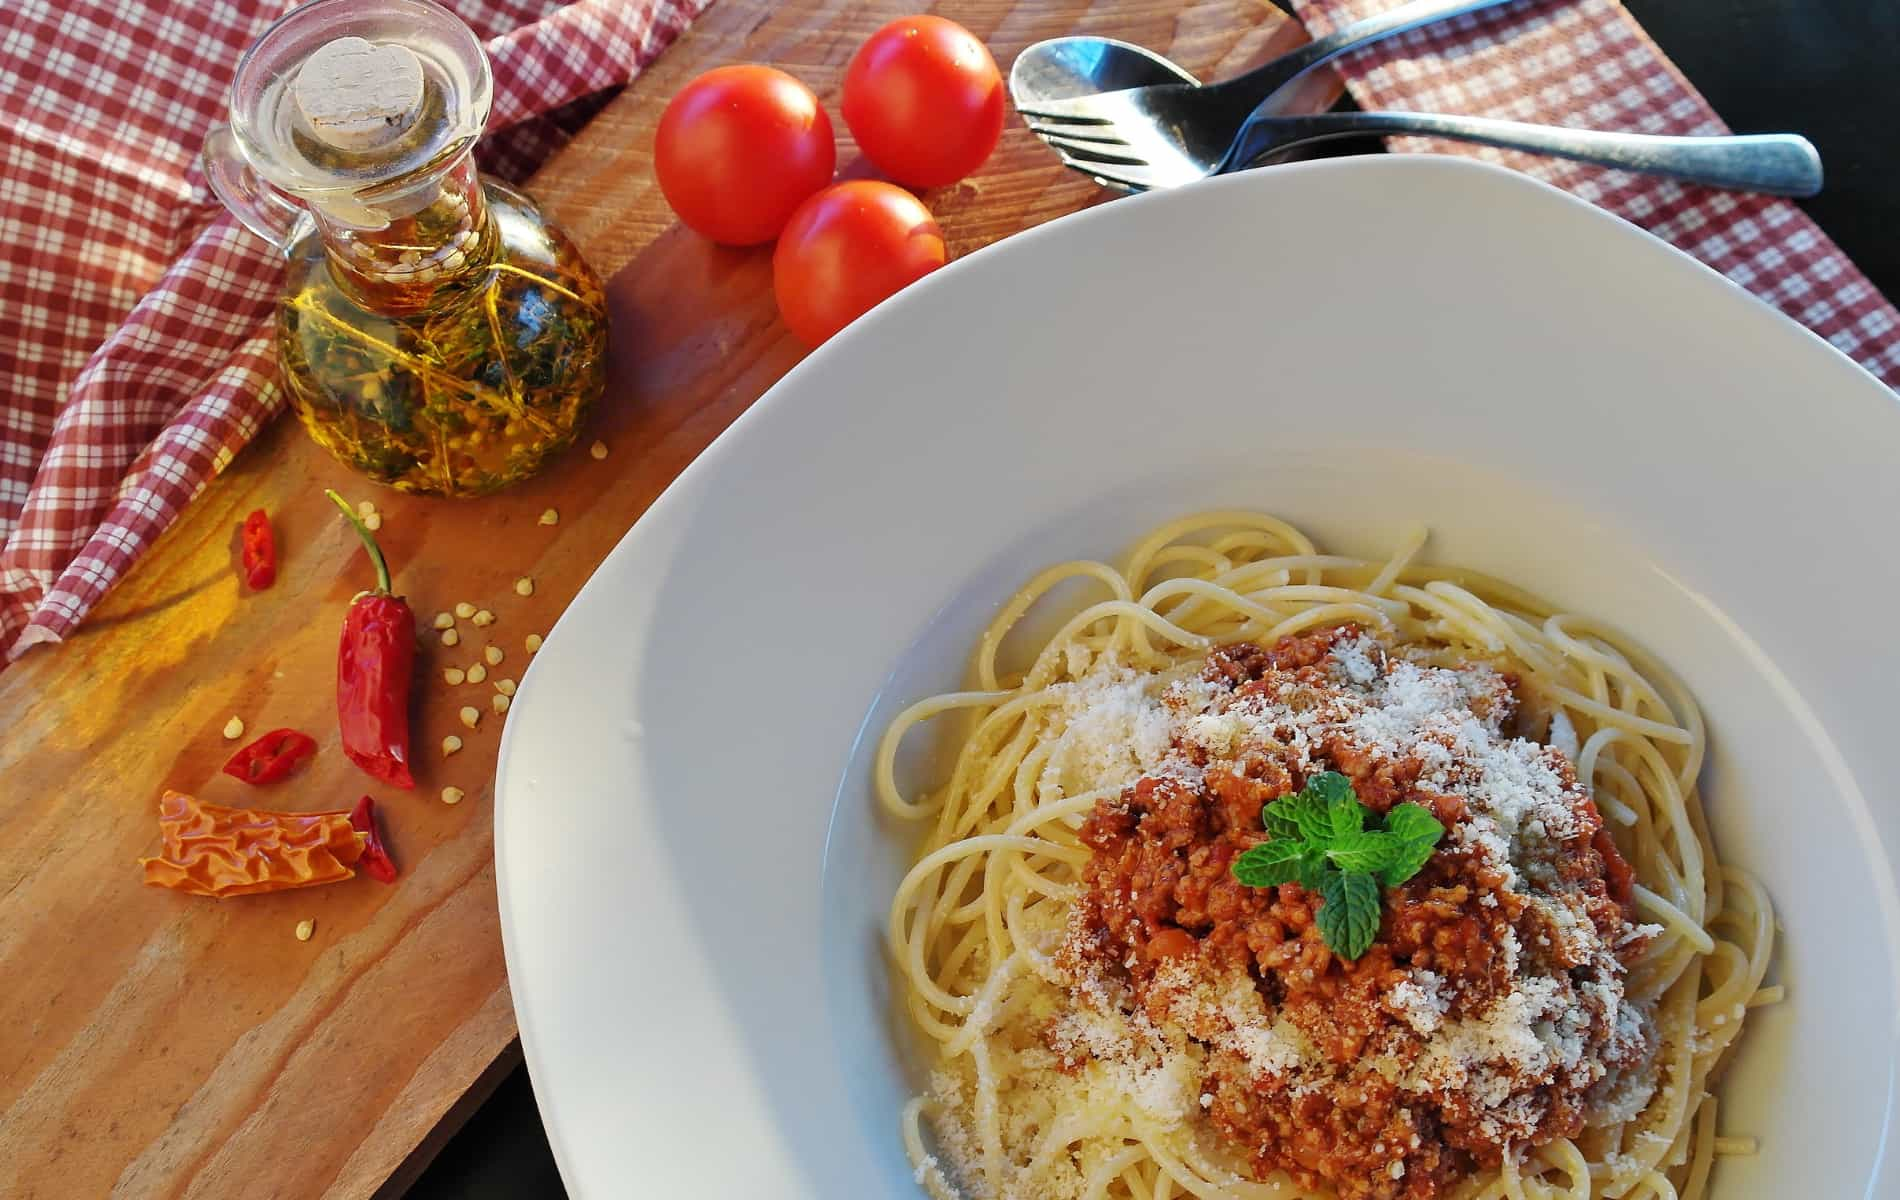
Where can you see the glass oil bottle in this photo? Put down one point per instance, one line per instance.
(436, 332)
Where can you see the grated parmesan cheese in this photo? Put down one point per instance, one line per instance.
(1576, 935)
(1356, 661)
(1419, 1002)
(1114, 730)
(1563, 736)
(1231, 1015)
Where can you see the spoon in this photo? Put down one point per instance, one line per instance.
(1066, 68)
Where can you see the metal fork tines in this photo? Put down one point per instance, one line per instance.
(1100, 149)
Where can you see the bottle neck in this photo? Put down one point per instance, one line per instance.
(402, 267)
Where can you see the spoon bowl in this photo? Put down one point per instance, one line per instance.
(1066, 67)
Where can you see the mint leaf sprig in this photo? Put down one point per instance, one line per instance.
(1318, 838)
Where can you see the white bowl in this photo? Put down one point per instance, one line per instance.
(692, 877)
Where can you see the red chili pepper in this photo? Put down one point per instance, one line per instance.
(375, 862)
(260, 551)
(374, 664)
(271, 757)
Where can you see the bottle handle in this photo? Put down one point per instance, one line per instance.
(261, 208)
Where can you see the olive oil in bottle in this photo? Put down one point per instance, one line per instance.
(437, 333)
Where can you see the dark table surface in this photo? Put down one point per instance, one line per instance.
(1829, 69)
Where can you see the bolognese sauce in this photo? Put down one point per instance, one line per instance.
(1487, 1014)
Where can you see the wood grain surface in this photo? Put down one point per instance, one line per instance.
(159, 1045)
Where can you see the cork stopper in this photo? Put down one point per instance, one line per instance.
(356, 95)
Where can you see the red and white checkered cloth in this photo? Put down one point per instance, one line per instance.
(1588, 63)
(134, 353)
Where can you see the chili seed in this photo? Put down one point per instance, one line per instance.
(471, 716)
(234, 729)
(499, 703)
(450, 745)
(524, 586)
(477, 672)
(465, 610)
(450, 637)
(598, 450)
(445, 620)
(484, 618)
(365, 507)
(532, 642)
(452, 676)
(304, 929)
(493, 655)
(505, 686)
(550, 517)
(451, 795)
(373, 522)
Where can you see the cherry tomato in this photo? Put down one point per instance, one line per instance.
(738, 149)
(925, 101)
(847, 248)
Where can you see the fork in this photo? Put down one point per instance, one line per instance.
(1779, 164)
(1191, 125)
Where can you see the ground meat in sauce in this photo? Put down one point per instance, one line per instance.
(1159, 893)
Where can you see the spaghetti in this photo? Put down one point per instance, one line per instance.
(1111, 1016)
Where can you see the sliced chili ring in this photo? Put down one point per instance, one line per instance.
(260, 550)
(271, 757)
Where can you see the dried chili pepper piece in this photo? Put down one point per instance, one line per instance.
(374, 665)
(260, 551)
(271, 757)
(375, 862)
(211, 850)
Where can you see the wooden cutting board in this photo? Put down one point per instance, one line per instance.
(153, 1044)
